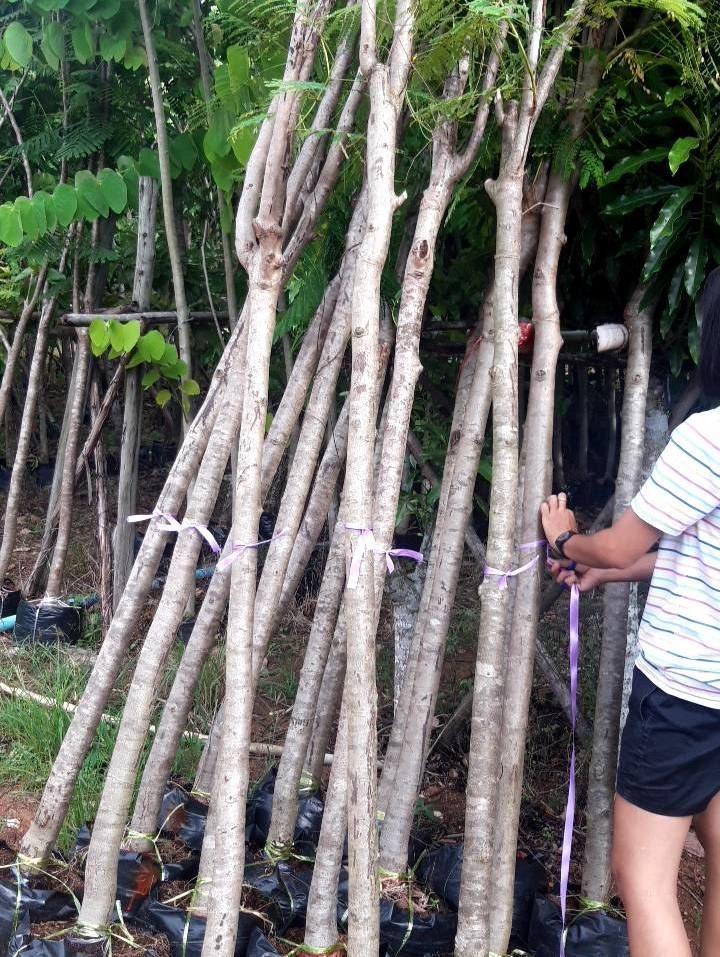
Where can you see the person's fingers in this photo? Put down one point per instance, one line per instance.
(545, 509)
(552, 503)
(562, 500)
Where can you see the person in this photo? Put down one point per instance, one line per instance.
(669, 767)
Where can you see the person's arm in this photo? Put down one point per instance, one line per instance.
(588, 578)
(616, 548)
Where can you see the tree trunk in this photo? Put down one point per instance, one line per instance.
(265, 284)
(67, 488)
(124, 538)
(13, 355)
(321, 920)
(386, 84)
(40, 837)
(35, 384)
(103, 522)
(603, 764)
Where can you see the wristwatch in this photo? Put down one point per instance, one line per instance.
(561, 541)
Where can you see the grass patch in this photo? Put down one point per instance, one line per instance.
(31, 733)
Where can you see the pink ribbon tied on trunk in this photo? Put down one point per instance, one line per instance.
(172, 525)
(239, 547)
(367, 543)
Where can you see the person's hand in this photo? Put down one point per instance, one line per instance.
(557, 517)
(569, 574)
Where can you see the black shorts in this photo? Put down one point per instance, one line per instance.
(670, 752)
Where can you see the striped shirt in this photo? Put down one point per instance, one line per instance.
(679, 635)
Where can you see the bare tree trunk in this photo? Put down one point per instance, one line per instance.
(35, 383)
(321, 919)
(485, 744)
(103, 522)
(537, 452)
(124, 538)
(583, 405)
(386, 84)
(13, 355)
(171, 234)
(601, 780)
(265, 275)
(67, 488)
(41, 836)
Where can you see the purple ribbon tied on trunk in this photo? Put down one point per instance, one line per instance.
(574, 655)
(172, 525)
(239, 547)
(367, 543)
(504, 577)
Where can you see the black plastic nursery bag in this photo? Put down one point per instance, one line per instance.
(47, 622)
(593, 933)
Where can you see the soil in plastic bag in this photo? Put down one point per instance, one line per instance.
(10, 598)
(183, 817)
(593, 933)
(137, 875)
(41, 904)
(260, 946)
(14, 920)
(289, 899)
(440, 870)
(186, 933)
(259, 813)
(46, 623)
(406, 933)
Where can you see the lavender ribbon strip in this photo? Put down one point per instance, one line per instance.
(172, 525)
(366, 543)
(574, 654)
(239, 547)
(503, 577)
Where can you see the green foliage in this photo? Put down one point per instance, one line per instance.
(149, 349)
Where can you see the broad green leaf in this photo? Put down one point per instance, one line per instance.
(631, 164)
(154, 344)
(242, 140)
(676, 284)
(226, 217)
(18, 43)
(28, 217)
(99, 336)
(132, 182)
(163, 397)
(136, 359)
(65, 202)
(50, 211)
(38, 205)
(680, 152)
(117, 340)
(134, 58)
(131, 333)
(85, 211)
(238, 65)
(114, 353)
(112, 47)
(638, 200)
(190, 387)
(695, 266)
(658, 255)
(114, 190)
(82, 41)
(88, 188)
(216, 142)
(104, 9)
(169, 356)
(694, 341)
(184, 150)
(53, 43)
(148, 163)
(674, 95)
(669, 214)
(150, 378)
(11, 229)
